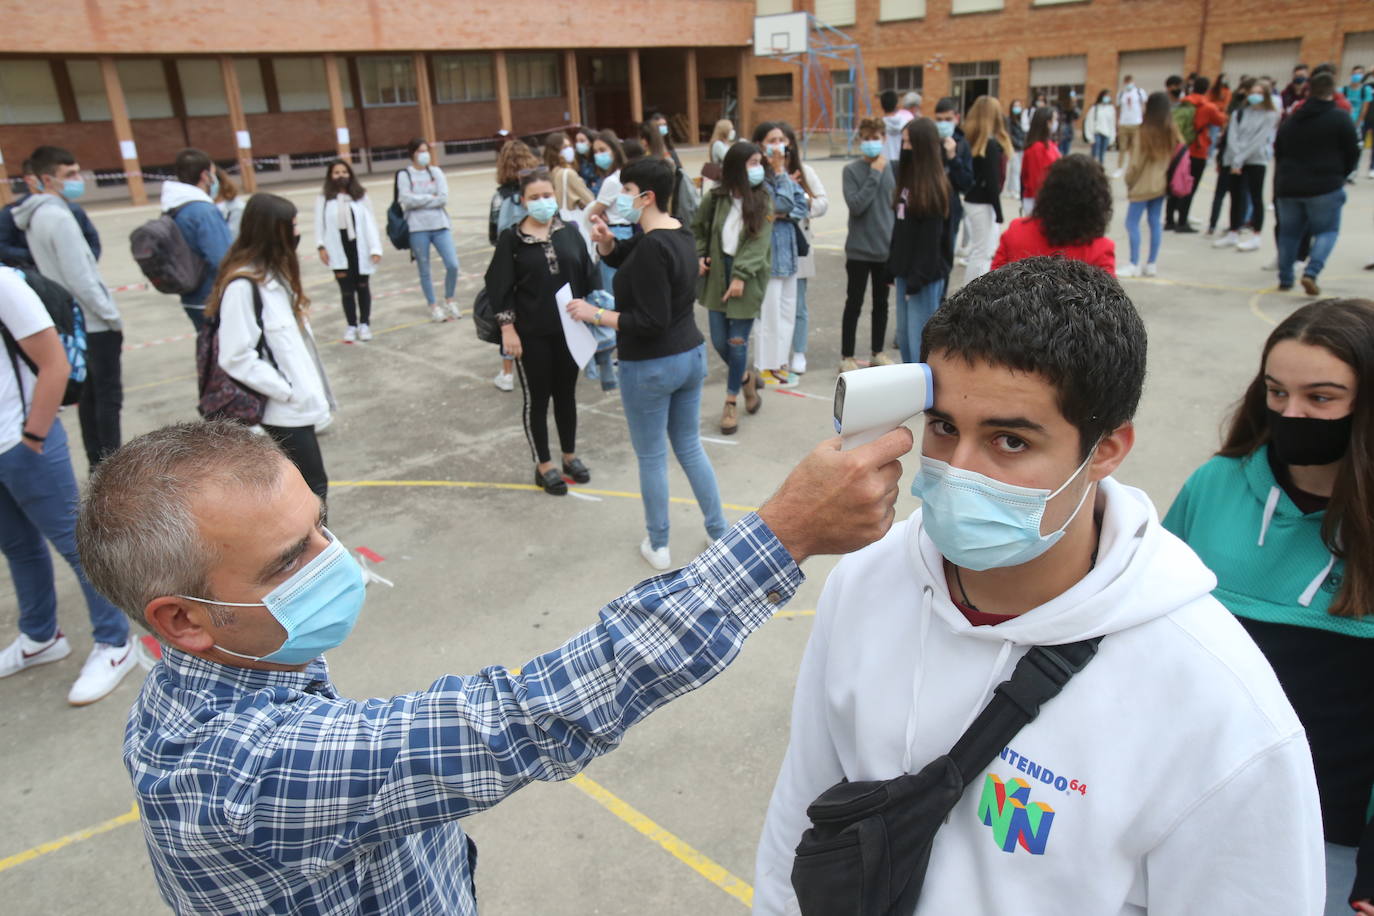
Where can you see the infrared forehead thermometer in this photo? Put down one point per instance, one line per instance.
(873, 401)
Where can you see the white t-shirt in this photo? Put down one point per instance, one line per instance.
(1132, 106)
(732, 228)
(23, 315)
(610, 188)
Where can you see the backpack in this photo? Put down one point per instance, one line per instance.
(396, 227)
(69, 322)
(222, 397)
(685, 199)
(506, 210)
(1180, 173)
(1185, 117)
(164, 256)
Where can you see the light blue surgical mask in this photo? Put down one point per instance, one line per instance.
(214, 188)
(755, 175)
(871, 149)
(625, 208)
(542, 209)
(777, 149)
(603, 160)
(1016, 109)
(980, 523)
(422, 160)
(582, 148)
(1255, 98)
(73, 188)
(945, 129)
(317, 606)
(663, 130)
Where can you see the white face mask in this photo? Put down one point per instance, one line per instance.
(568, 154)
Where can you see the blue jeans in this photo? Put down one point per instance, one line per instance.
(1100, 148)
(913, 311)
(442, 240)
(38, 501)
(662, 401)
(724, 332)
(1298, 216)
(607, 271)
(1152, 209)
(801, 326)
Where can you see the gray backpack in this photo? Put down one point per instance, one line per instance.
(164, 257)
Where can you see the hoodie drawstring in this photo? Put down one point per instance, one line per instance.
(1305, 599)
(1270, 505)
(927, 611)
(996, 672)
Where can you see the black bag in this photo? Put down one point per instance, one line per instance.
(803, 246)
(222, 397)
(165, 257)
(484, 319)
(396, 228)
(867, 851)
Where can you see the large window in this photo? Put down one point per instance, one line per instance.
(775, 86)
(302, 86)
(901, 79)
(28, 94)
(464, 78)
(251, 91)
(387, 81)
(892, 10)
(770, 7)
(143, 82)
(533, 76)
(974, 6)
(837, 13)
(202, 87)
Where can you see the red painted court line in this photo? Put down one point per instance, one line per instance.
(790, 393)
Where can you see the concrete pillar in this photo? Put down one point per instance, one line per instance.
(498, 61)
(636, 89)
(570, 86)
(342, 141)
(745, 85)
(238, 123)
(425, 96)
(693, 103)
(124, 132)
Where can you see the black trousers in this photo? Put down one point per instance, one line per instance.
(1176, 210)
(859, 274)
(302, 446)
(1248, 185)
(547, 371)
(102, 397)
(355, 288)
(1226, 184)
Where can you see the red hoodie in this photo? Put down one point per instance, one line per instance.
(1207, 115)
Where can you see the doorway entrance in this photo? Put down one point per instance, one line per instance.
(605, 96)
(969, 82)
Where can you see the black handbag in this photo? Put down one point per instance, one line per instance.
(867, 850)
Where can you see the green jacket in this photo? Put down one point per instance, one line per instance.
(751, 261)
(1269, 559)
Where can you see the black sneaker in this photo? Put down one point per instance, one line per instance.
(577, 471)
(1285, 287)
(1184, 229)
(552, 482)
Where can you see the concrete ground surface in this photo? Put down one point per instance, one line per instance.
(487, 573)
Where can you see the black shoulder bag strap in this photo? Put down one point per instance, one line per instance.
(869, 845)
(263, 349)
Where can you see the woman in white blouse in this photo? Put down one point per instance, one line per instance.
(349, 244)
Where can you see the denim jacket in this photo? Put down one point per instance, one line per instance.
(790, 207)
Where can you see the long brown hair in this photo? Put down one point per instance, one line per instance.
(553, 149)
(1159, 135)
(1345, 328)
(1039, 130)
(794, 159)
(734, 182)
(921, 181)
(355, 187)
(266, 247)
(984, 123)
(227, 189)
(514, 158)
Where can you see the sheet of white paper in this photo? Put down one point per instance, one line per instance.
(342, 135)
(127, 149)
(581, 343)
(244, 141)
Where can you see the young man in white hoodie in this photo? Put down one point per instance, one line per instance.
(1171, 774)
(63, 255)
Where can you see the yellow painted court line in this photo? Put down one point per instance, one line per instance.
(490, 485)
(712, 871)
(795, 614)
(28, 855)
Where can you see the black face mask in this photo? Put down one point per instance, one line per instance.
(295, 241)
(1309, 440)
(905, 158)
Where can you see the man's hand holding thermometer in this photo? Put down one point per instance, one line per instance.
(873, 401)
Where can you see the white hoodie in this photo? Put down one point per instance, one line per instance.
(1171, 775)
(893, 125)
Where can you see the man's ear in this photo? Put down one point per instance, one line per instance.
(1112, 450)
(180, 623)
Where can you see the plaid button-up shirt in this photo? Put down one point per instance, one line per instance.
(266, 792)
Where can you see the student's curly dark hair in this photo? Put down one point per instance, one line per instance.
(1074, 203)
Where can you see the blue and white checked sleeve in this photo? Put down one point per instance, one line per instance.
(337, 775)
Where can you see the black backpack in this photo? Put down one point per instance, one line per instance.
(396, 227)
(69, 322)
(164, 256)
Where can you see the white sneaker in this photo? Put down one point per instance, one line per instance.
(1270, 265)
(1150, 270)
(351, 334)
(1371, 173)
(505, 381)
(1127, 270)
(25, 653)
(659, 559)
(452, 308)
(436, 314)
(1226, 241)
(798, 363)
(364, 332)
(1251, 243)
(105, 667)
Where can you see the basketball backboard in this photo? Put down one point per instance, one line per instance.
(781, 33)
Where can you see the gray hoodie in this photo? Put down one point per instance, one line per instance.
(62, 255)
(1250, 137)
(868, 195)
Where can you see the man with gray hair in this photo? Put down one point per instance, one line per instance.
(912, 103)
(262, 790)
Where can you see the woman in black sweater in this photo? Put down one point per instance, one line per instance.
(533, 260)
(989, 143)
(662, 352)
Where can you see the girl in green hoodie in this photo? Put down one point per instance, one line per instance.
(1284, 515)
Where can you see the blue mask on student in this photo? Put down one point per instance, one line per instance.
(603, 160)
(317, 606)
(1255, 98)
(1016, 109)
(663, 130)
(542, 209)
(625, 208)
(871, 149)
(73, 188)
(755, 176)
(1356, 78)
(582, 148)
(945, 129)
(980, 523)
(214, 188)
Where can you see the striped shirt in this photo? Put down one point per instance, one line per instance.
(267, 792)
